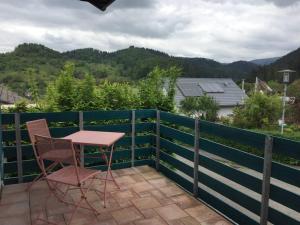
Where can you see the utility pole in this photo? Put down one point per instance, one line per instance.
(286, 80)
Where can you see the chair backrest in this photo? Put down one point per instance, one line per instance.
(63, 150)
(37, 127)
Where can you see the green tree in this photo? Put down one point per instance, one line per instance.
(33, 89)
(60, 95)
(86, 97)
(204, 107)
(113, 96)
(294, 112)
(259, 111)
(276, 86)
(157, 91)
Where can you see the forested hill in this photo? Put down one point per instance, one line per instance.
(30, 61)
(270, 72)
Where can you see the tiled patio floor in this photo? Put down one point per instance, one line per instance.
(146, 197)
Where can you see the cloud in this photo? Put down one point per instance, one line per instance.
(284, 3)
(225, 30)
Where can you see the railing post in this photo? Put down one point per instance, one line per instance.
(132, 138)
(157, 159)
(196, 158)
(18, 147)
(266, 181)
(81, 127)
(1, 156)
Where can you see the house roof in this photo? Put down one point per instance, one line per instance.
(224, 90)
(7, 96)
(100, 4)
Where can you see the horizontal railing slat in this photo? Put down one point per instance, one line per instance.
(230, 173)
(177, 149)
(243, 158)
(285, 173)
(230, 193)
(187, 185)
(126, 128)
(145, 113)
(144, 127)
(250, 138)
(177, 119)
(8, 118)
(106, 115)
(277, 194)
(277, 217)
(286, 147)
(181, 136)
(177, 164)
(51, 117)
(213, 201)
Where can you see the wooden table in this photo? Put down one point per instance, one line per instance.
(100, 139)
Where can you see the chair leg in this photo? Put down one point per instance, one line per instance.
(41, 176)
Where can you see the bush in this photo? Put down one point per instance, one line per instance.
(204, 107)
(259, 111)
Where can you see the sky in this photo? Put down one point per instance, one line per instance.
(223, 30)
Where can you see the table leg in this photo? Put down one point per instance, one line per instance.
(108, 163)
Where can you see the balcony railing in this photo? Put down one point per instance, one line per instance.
(195, 154)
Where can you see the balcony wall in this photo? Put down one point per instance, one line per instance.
(198, 155)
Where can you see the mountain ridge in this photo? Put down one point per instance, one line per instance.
(130, 64)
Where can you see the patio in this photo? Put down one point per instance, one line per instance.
(146, 197)
(191, 153)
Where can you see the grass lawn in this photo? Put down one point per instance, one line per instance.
(288, 133)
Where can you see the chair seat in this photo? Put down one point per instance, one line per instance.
(67, 175)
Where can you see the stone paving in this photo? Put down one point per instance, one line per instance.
(145, 198)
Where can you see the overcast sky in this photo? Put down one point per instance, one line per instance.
(224, 30)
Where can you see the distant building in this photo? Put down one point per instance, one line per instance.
(224, 90)
(8, 97)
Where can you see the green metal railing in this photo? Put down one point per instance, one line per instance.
(172, 143)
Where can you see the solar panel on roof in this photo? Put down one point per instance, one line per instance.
(190, 89)
(211, 88)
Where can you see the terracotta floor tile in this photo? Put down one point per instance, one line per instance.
(14, 210)
(159, 182)
(16, 220)
(125, 180)
(10, 198)
(157, 194)
(137, 177)
(59, 219)
(146, 203)
(217, 220)
(184, 201)
(151, 221)
(171, 212)
(144, 169)
(55, 207)
(171, 190)
(142, 187)
(123, 194)
(14, 188)
(127, 215)
(145, 197)
(149, 213)
(201, 213)
(106, 222)
(127, 171)
(189, 221)
(151, 175)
